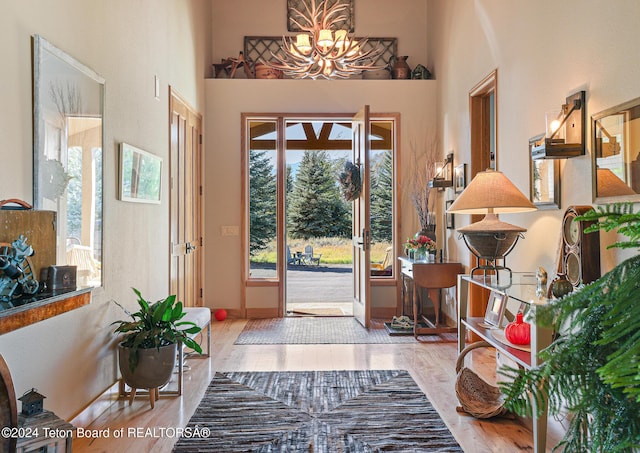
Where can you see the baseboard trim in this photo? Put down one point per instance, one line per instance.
(96, 407)
(383, 312)
(231, 313)
(253, 313)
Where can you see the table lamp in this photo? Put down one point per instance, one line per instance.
(491, 192)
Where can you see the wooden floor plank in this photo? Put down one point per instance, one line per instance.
(432, 366)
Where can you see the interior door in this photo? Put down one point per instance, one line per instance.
(361, 234)
(186, 203)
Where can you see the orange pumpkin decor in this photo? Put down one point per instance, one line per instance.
(518, 332)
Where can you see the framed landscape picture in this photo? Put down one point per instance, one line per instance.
(460, 178)
(544, 180)
(495, 309)
(140, 175)
(449, 216)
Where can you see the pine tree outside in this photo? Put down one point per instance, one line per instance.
(315, 208)
(316, 213)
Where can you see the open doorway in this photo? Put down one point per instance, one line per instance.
(300, 227)
(319, 271)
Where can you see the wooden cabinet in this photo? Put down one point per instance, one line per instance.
(520, 289)
(431, 276)
(39, 227)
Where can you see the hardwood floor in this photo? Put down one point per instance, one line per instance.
(432, 365)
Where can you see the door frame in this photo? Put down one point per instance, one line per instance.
(480, 121)
(278, 282)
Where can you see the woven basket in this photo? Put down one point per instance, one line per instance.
(477, 397)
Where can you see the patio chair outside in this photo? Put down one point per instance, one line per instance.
(309, 258)
(292, 259)
(385, 263)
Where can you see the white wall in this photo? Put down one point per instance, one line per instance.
(226, 100)
(68, 358)
(544, 51)
(402, 19)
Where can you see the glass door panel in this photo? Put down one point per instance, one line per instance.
(262, 200)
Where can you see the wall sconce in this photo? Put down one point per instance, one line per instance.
(565, 132)
(444, 174)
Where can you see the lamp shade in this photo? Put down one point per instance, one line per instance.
(610, 185)
(325, 38)
(303, 43)
(341, 38)
(491, 191)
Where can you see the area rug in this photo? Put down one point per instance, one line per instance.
(315, 330)
(316, 411)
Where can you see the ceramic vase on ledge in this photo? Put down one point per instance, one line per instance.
(400, 68)
(429, 231)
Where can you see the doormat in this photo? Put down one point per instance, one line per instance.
(316, 330)
(316, 411)
(317, 312)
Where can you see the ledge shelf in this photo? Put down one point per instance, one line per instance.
(47, 307)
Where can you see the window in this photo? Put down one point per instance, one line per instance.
(262, 199)
(292, 195)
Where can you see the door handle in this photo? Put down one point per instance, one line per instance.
(364, 240)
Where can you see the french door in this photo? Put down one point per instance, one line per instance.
(275, 173)
(361, 236)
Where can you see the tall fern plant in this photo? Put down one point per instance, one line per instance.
(593, 369)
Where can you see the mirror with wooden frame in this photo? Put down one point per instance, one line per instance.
(616, 153)
(68, 107)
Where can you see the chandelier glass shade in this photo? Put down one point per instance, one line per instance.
(321, 51)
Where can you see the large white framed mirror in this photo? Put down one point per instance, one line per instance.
(68, 109)
(616, 153)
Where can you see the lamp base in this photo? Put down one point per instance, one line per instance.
(492, 249)
(492, 268)
(491, 240)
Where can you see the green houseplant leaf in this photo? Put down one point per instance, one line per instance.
(592, 369)
(155, 325)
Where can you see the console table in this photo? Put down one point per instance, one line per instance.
(432, 276)
(522, 289)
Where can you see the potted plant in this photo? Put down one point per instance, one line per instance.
(147, 351)
(591, 369)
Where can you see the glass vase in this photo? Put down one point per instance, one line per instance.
(420, 255)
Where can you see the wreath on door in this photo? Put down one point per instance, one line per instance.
(350, 181)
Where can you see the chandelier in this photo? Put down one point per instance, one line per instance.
(321, 51)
